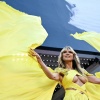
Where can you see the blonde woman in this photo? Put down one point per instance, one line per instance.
(76, 81)
(26, 77)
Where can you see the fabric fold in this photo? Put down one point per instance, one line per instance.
(92, 38)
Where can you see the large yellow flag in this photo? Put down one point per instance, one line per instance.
(21, 77)
(92, 38)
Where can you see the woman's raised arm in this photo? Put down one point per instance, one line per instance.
(49, 74)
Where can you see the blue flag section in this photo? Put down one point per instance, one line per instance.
(61, 18)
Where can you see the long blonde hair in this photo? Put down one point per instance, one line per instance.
(76, 61)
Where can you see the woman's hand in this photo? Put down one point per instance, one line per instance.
(33, 53)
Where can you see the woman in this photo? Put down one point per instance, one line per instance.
(21, 77)
(75, 80)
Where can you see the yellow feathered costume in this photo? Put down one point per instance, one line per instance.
(21, 77)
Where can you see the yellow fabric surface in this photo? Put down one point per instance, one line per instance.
(92, 38)
(21, 77)
(18, 31)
